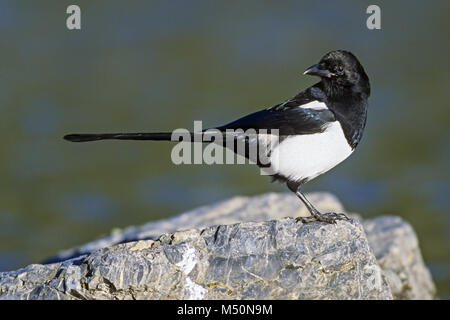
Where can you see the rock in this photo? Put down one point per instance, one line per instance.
(278, 259)
(396, 248)
(237, 209)
(254, 259)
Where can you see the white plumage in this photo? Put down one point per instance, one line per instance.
(307, 156)
(304, 156)
(316, 105)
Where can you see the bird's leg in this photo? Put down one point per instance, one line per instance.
(330, 217)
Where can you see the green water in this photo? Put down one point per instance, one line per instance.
(157, 65)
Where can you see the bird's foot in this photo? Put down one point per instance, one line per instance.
(330, 217)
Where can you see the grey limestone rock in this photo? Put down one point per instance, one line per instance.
(396, 248)
(243, 248)
(237, 209)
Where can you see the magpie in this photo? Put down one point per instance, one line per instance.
(317, 129)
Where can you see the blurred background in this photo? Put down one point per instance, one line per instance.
(158, 65)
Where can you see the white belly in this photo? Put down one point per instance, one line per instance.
(307, 156)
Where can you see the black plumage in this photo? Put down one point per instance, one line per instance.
(334, 107)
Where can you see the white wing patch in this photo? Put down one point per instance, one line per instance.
(316, 105)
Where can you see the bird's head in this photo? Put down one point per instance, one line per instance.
(341, 70)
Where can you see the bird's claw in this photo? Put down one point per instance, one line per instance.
(330, 217)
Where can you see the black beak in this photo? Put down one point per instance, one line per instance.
(316, 70)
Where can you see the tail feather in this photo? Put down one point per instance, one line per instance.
(84, 137)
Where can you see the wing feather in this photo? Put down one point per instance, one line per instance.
(290, 121)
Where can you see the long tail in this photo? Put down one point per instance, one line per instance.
(84, 137)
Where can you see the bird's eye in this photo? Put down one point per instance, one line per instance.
(339, 70)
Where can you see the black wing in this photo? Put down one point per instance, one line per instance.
(288, 117)
(288, 122)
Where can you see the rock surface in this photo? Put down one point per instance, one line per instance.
(396, 248)
(264, 207)
(214, 257)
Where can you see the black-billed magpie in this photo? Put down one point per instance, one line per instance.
(318, 128)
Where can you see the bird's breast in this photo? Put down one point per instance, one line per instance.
(302, 157)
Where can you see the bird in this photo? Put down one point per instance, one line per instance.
(316, 129)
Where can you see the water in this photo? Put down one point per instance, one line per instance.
(144, 66)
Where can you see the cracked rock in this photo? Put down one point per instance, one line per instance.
(217, 258)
